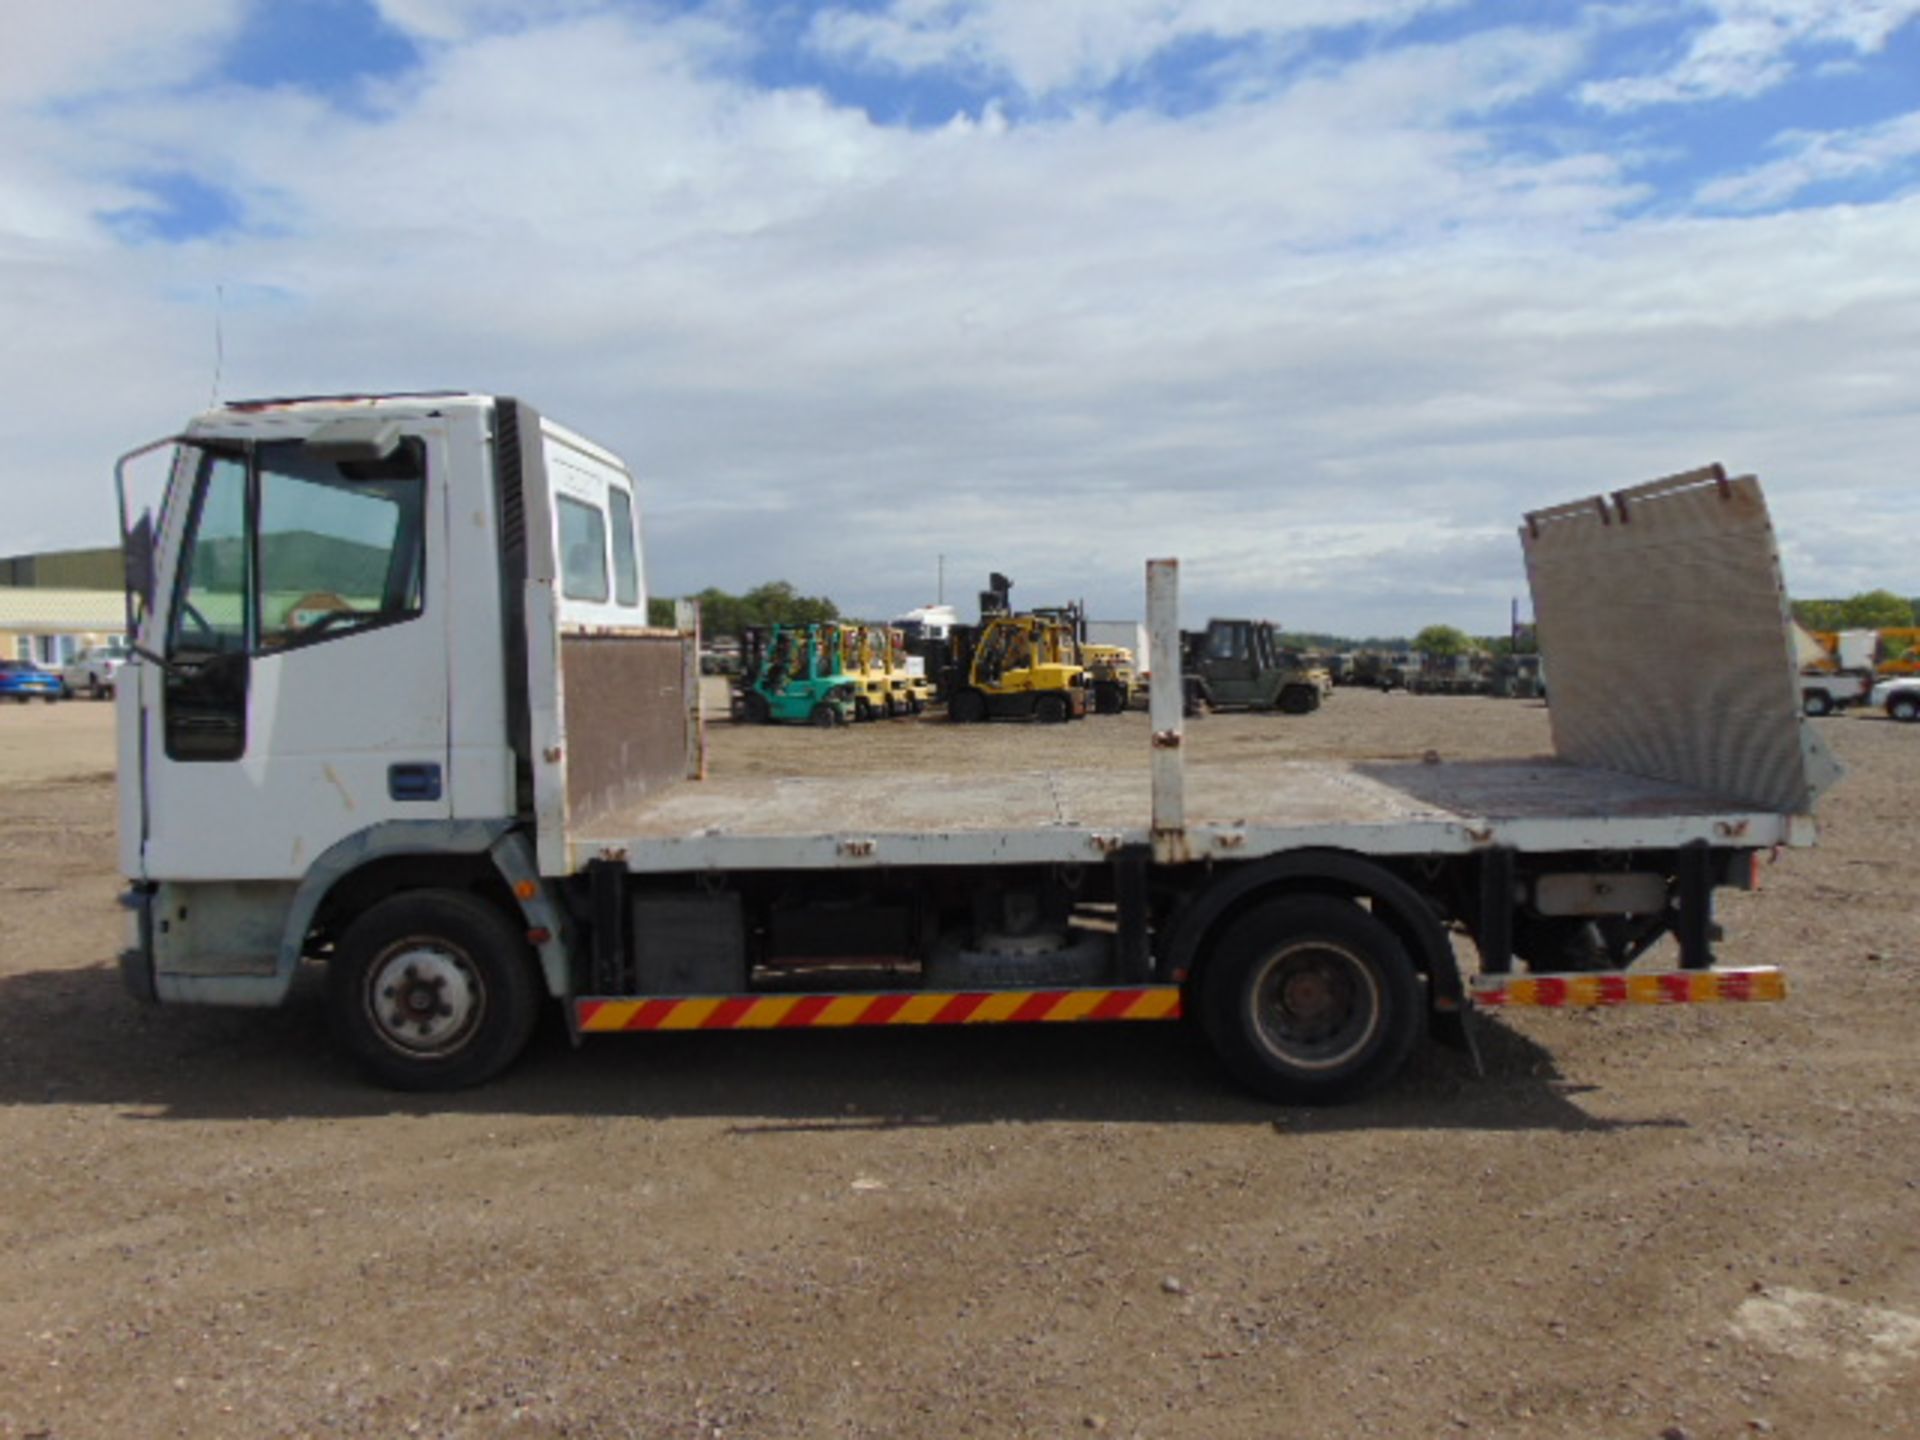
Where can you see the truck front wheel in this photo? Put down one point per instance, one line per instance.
(1309, 999)
(1817, 702)
(432, 990)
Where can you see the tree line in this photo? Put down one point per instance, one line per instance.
(777, 600)
(725, 614)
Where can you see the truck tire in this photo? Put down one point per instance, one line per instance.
(1109, 698)
(1816, 702)
(1052, 710)
(1299, 700)
(1308, 999)
(755, 708)
(823, 716)
(968, 707)
(1905, 708)
(432, 990)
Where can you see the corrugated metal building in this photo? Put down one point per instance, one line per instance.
(54, 606)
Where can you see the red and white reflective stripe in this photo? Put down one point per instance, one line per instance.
(597, 1015)
(1586, 991)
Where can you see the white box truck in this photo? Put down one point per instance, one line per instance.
(396, 710)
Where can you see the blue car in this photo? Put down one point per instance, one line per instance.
(21, 681)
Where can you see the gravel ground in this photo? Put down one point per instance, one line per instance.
(1695, 1222)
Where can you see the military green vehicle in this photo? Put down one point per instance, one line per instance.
(1240, 664)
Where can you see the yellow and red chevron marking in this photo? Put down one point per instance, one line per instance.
(1675, 987)
(891, 1007)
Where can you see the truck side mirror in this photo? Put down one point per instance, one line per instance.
(137, 557)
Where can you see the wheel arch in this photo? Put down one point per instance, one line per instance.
(486, 857)
(1393, 901)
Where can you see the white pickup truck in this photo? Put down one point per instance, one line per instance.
(92, 671)
(397, 710)
(1899, 697)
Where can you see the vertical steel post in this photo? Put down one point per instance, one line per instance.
(1167, 710)
(686, 619)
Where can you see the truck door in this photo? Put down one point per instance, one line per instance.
(1230, 661)
(306, 692)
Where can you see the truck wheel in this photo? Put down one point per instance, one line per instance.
(969, 707)
(823, 716)
(1052, 710)
(1905, 708)
(432, 990)
(1108, 699)
(1309, 999)
(1816, 702)
(755, 708)
(1299, 700)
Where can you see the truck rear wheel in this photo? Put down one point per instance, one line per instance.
(432, 990)
(1904, 707)
(823, 716)
(1309, 999)
(1052, 710)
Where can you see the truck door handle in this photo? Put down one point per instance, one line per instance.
(413, 781)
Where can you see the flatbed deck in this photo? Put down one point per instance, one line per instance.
(1232, 812)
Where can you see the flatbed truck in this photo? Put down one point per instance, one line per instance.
(396, 710)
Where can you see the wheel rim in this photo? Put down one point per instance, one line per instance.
(1315, 1005)
(424, 997)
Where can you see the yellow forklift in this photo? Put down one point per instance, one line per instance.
(1015, 666)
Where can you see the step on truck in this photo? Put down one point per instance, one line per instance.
(396, 711)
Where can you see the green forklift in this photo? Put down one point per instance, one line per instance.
(794, 675)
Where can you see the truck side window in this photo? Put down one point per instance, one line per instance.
(583, 550)
(626, 560)
(207, 637)
(210, 606)
(340, 551)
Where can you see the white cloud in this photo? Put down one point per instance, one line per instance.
(56, 50)
(1325, 344)
(1817, 158)
(1070, 44)
(1750, 46)
(456, 20)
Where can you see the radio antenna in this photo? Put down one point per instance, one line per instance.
(219, 339)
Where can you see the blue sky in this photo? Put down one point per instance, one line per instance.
(1318, 294)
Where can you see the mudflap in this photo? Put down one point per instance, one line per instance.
(1454, 1029)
